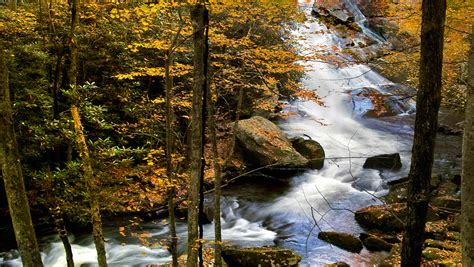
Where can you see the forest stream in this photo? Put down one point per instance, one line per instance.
(260, 211)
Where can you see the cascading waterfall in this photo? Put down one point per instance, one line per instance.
(361, 20)
(315, 200)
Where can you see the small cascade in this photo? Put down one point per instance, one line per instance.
(361, 20)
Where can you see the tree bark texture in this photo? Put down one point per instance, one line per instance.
(92, 188)
(13, 178)
(199, 18)
(217, 180)
(467, 186)
(426, 123)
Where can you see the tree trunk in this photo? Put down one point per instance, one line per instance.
(217, 180)
(199, 18)
(467, 186)
(90, 180)
(92, 188)
(169, 158)
(13, 177)
(427, 105)
(62, 232)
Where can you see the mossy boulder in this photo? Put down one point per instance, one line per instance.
(264, 257)
(342, 240)
(311, 150)
(386, 218)
(448, 202)
(432, 253)
(373, 243)
(263, 144)
(384, 162)
(442, 244)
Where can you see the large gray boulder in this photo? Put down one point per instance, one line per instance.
(264, 257)
(263, 144)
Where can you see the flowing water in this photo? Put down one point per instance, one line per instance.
(289, 214)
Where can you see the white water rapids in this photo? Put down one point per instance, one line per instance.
(257, 216)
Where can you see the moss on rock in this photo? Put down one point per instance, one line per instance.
(342, 240)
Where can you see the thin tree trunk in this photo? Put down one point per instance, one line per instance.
(199, 18)
(427, 106)
(467, 186)
(169, 159)
(13, 177)
(91, 184)
(217, 180)
(92, 188)
(62, 232)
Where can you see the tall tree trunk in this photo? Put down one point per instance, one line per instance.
(90, 180)
(427, 106)
(467, 186)
(13, 177)
(199, 18)
(217, 180)
(169, 158)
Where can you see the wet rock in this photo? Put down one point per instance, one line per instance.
(384, 218)
(373, 243)
(386, 161)
(336, 10)
(342, 240)
(388, 218)
(398, 181)
(265, 144)
(432, 253)
(311, 150)
(337, 264)
(264, 257)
